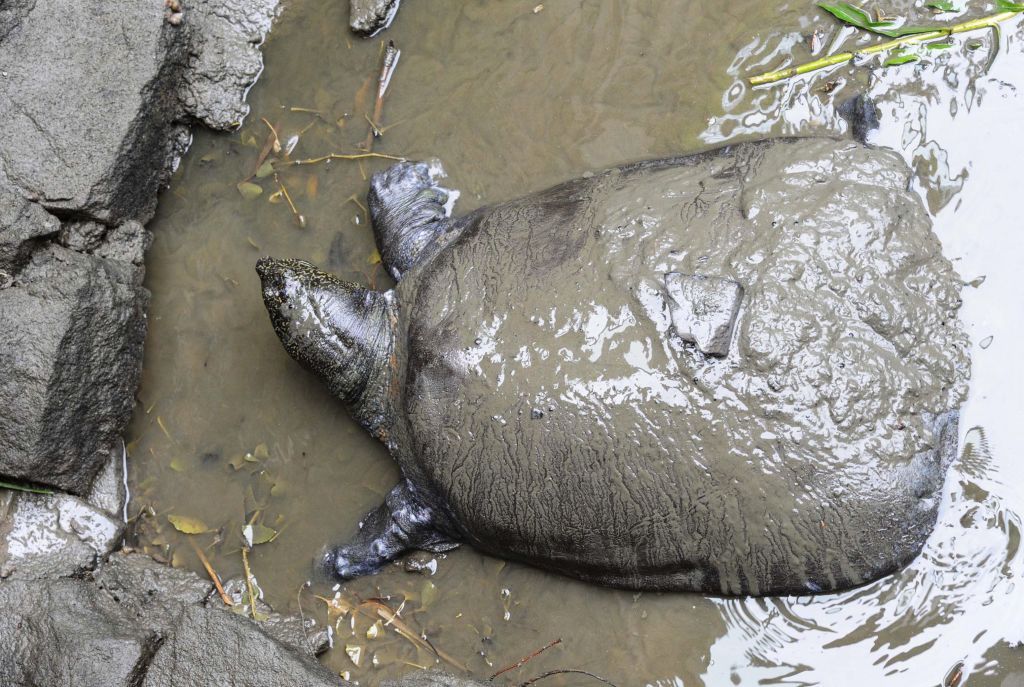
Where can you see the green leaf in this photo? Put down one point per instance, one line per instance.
(249, 190)
(938, 46)
(261, 534)
(265, 170)
(943, 6)
(897, 60)
(855, 16)
(22, 487)
(187, 525)
(974, 45)
(1007, 6)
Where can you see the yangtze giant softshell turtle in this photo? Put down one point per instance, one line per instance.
(735, 372)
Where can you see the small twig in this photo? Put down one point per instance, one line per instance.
(212, 573)
(302, 616)
(914, 39)
(337, 156)
(562, 671)
(355, 199)
(387, 70)
(248, 583)
(374, 129)
(526, 659)
(276, 146)
(299, 219)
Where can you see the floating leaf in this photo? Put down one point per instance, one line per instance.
(261, 534)
(429, 594)
(237, 462)
(355, 653)
(261, 451)
(275, 197)
(265, 170)
(943, 6)
(374, 630)
(374, 258)
(855, 16)
(249, 190)
(178, 465)
(897, 60)
(187, 525)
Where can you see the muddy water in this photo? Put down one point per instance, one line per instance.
(512, 101)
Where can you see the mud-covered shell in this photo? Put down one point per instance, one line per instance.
(546, 399)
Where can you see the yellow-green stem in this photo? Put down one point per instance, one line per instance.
(914, 39)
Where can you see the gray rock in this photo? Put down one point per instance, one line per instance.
(704, 310)
(57, 535)
(150, 593)
(84, 107)
(137, 622)
(367, 17)
(95, 138)
(300, 634)
(431, 678)
(109, 492)
(63, 633)
(126, 243)
(209, 647)
(71, 334)
(224, 58)
(22, 226)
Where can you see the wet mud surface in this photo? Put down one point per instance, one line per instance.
(514, 101)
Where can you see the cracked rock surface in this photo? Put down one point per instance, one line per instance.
(137, 622)
(95, 103)
(367, 17)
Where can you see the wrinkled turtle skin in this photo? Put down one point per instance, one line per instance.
(735, 372)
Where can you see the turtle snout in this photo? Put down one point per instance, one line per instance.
(271, 272)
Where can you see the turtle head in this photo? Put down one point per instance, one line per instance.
(340, 331)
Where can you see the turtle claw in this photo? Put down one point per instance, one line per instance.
(409, 209)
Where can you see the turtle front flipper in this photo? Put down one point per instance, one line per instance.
(409, 212)
(402, 523)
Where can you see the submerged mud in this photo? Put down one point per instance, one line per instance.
(514, 102)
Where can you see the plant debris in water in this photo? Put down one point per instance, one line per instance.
(904, 38)
(24, 487)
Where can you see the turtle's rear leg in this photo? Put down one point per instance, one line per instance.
(400, 524)
(409, 211)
